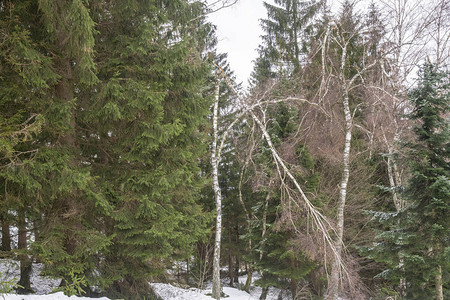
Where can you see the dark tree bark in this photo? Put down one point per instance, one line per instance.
(263, 296)
(25, 261)
(6, 235)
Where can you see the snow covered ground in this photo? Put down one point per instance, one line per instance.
(10, 271)
(55, 296)
(43, 286)
(170, 292)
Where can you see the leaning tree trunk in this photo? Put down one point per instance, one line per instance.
(218, 197)
(318, 219)
(248, 282)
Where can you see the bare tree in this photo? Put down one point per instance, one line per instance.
(296, 196)
(417, 30)
(342, 39)
(438, 12)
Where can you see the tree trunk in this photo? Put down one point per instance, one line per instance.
(230, 256)
(438, 283)
(237, 263)
(248, 282)
(264, 292)
(6, 235)
(25, 261)
(333, 285)
(218, 197)
(398, 202)
(293, 288)
(68, 206)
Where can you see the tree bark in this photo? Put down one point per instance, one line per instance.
(248, 282)
(6, 235)
(25, 261)
(230, 257)
(438, 283)
(333, 286)
(264, 292)
(216, 289)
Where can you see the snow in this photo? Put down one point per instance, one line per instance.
(43, 286)
(55, 296)
(236, 294)
(170, 292)
(10, 270)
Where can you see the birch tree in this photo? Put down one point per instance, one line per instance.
(215, 159)
(416, 30)
(296, 196)
(343, 35)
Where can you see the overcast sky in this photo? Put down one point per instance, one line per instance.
(239, 32)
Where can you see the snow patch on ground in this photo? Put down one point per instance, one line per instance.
(43, 286)
(170, 292)
(236, 294)
(55, 296)
(10, 270)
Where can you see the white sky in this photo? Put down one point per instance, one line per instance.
(238, 32)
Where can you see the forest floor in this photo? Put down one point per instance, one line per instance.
(43, 287)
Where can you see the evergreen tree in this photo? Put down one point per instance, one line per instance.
(110, 95)
(426, 222)
(418, 235)
(286, 27)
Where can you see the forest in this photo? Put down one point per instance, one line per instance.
(129, 154)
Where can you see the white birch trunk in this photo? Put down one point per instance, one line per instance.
(218, 197)
(318, 219)
(335, 278)
(336, 269)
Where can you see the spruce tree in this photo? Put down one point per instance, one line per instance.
(147, 113)
(110, 95)
(286, 27)
(418, 235)
(426, 222)
(48, 59)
